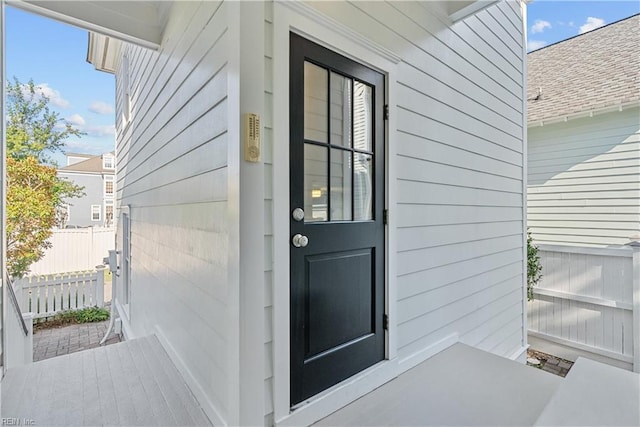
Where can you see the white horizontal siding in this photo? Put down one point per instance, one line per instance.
(459, 168)
(172, 171)
(584, 180)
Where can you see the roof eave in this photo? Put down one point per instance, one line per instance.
(582, 114)
(103, 52)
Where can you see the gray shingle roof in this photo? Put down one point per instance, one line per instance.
(92, 165)
(592, 71)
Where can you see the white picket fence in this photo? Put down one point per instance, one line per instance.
(46, 295)
(75, 249)
(589, 299)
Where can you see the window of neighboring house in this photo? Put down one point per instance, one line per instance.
(108, 162)
(108, 213)
(108, 186)
(95, 212)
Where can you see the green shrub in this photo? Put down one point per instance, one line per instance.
(534, 268)
(85, 315)
(91, 314)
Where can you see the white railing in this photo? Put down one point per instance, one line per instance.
(75, 249)
(589, 299)
(47, 295)
(19, 330)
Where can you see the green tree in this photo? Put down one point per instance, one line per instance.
(31, 187)
(35, 193)
(534, 268)
(32, 128)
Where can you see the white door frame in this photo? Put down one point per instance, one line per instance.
(306, 21)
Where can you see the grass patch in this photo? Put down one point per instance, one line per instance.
(68, 317)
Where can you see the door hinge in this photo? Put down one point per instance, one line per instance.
(385, 322)
(386, 112)
(385, 216)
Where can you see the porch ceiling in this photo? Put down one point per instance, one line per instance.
(138, 22)
(459, 10)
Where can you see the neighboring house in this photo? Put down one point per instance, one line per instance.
(584, 138)
(97, 175)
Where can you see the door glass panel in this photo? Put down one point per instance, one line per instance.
(315, 103)
(315, 183)
(362, 186)
(362, 117)
(340, 110)
(340, 185)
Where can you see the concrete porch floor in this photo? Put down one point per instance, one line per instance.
(460, 386)
(126, 384)
(463, 386)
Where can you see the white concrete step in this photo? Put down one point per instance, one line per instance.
(594, 394)
(460, 386)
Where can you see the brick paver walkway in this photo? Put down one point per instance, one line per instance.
(54, 342)
(548, 363)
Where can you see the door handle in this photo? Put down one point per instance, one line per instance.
(300, 241)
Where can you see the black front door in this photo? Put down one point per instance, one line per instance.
(337, 229)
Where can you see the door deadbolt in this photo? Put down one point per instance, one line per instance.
(297, 214)
(300, 241)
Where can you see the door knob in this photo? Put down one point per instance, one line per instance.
(300, 241)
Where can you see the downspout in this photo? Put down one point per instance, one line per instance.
(113, 267)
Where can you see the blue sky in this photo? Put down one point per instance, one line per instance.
(53, 55)
(551, 21)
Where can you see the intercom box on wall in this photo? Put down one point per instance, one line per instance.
(252, 129)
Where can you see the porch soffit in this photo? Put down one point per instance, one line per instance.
(138, 22)
(459, 10)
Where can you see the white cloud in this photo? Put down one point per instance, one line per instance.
(100, 107)
(82, 146)
(539, 26)
(571, 24)
(80, 123)
(591, 24)
(43, 89)
(535, 44)
(100, 130)
(76, 120)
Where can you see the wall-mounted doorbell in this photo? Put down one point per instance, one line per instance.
(252, 130)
